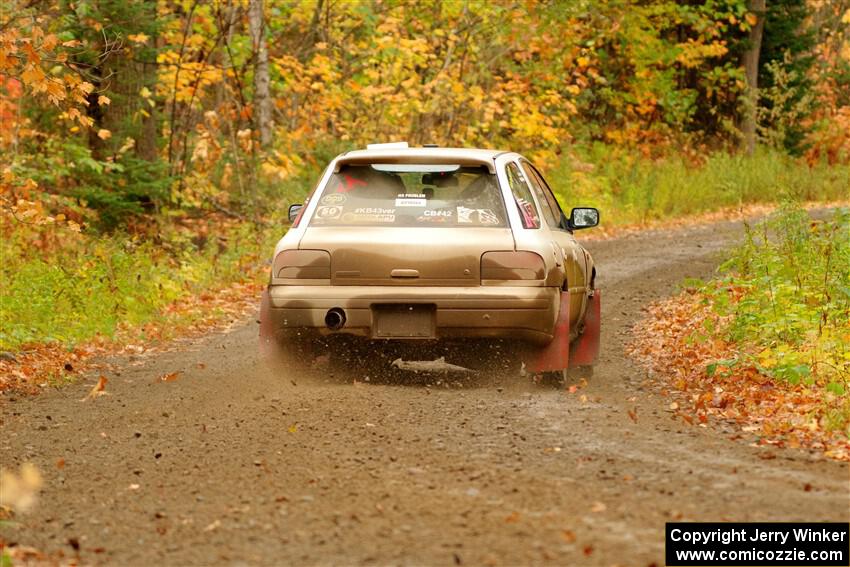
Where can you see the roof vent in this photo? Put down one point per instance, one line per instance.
(388, 146)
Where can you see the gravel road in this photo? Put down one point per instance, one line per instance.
(233, 464)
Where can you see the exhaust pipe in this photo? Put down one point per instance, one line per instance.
(335, 319)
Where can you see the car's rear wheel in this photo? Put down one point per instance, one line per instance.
(554, 378)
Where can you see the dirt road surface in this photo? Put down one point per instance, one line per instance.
(233, 464)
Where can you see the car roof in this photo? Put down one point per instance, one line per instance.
(461, 156)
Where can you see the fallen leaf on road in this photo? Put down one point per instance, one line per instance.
(213, 526)
(568, 536)
(598, 507)
(98, 390)
(170, 377)
(512, 518)
(674, 406)
(60, 463)
(633, 414)
(19, 491)
(133, 487)
(293, 428)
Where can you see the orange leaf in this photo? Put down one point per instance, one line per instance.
(170, 377)
(98, 390)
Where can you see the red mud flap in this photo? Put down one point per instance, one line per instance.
(585, 350)
(555, 355)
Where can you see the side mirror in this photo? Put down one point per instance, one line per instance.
(294, 211)
(583, 217)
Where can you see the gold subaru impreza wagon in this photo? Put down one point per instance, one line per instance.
(421, 246)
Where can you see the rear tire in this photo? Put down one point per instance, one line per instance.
(554, 378)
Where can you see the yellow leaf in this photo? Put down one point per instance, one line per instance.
(103, 100)
(138, 38)
(32, 76)
(752, 19)
(49, 42)
(104, 134)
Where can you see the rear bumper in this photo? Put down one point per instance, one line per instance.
(524, 313)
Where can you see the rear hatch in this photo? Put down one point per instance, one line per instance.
(406, 256)
(408, 224)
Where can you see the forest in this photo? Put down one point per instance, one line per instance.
(149, 149)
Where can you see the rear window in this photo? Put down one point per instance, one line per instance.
(411, 195)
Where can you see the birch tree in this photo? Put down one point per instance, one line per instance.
(262, 99)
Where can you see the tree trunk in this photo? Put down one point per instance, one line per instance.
(751, 70)
(262, 99)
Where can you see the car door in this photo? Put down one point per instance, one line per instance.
(575, 263)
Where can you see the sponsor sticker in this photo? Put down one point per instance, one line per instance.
(487, 216)
(432, 219)
(464, 214)
(356, 217)
(477, 216)
(410, 203)
(411, 200)
(333, 199)
(374, 211)
(328, 212)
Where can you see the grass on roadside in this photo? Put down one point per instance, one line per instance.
(786, 296)
(631, 189)
(768, 342)
(64, 287)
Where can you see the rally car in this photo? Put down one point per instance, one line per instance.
(417, 246)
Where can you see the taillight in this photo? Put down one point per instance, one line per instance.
(520, 265)
(302, 265)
